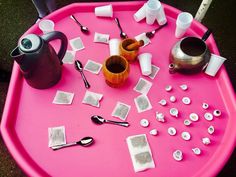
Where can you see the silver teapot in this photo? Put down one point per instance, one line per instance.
(190, 55)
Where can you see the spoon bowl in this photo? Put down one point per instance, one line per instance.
(84, 29)
(123, 35)
(79, 67)
(151, 34)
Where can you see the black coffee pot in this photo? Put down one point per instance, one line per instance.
(38, 61)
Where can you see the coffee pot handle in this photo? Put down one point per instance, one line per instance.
(206, 35)
(64, 42)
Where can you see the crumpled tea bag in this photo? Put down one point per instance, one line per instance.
(92, 98)
(143, 86)
(93, 67)
(56, 136)
(63, 97)
(121, 110)
(142, 103)
(140, 152)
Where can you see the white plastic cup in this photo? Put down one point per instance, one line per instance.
(151, 11)
(183, 22)
(145, 62)
(114, 46)
(104, 11)
(214, 64)
(161, 17)
(46, 26)
(140, 14)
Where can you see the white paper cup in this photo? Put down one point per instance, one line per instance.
(114, 46)
(46, 26)
(104, 11)
(183, 22)
(161, 17)
(140, 14)
(214, 65)
(151, 11)
(145, 62)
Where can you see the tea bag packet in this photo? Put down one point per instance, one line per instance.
(101, 38)
(142, 103)
(93, 67)
(69, 57)
(140, 152)
(63, 97)
(56, 136)
(76, 44)
(92, 98)
(154, 72)
(121, 110)
(143, 37)
(143, 86)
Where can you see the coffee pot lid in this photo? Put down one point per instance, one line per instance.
(30, 43)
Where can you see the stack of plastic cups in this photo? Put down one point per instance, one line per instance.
(151, 11)
(161, 17)
(183, 22)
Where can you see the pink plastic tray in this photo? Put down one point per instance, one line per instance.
(29, 112)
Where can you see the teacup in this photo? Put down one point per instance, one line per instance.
(115, 70)
(130, 55)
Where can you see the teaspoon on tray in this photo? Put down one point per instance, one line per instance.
(84, 29)
(100, 120)
(151, 34)
(79, 67)
(123, 35)
(86, 141)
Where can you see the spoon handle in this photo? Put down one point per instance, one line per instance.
(160, 27)
(73, 17)
(87, 85)
(63, 146)
(118, 23)
(124, 124)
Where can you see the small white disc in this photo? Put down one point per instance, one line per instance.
(172, 99)
(206, 141)
(186, 136)
(172, 131)
(217, 113)
(196, 151)
(208, 116)
(186, 100)
(168, 88)
(144, 122)
(211, 129)
(187, 122)
(162, 102)
(178, 155)
(193, 117)
(205, 106)
(174, 112)
(153, 132)
(184, 87)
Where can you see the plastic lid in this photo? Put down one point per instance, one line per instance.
(30, 43)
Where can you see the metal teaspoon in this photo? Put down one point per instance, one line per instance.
(84, 29)
(86, 141)
(151, 34)
(123, 35)
(79, 67)
(100, 120)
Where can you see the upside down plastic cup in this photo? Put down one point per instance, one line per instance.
(214, 64)
(114, 46)
(183, 22)
(104, 11)
(145, 62)
(151, 11)
(140, 14)
(46, 26)
(161, 17)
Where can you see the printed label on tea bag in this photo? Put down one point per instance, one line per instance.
(154, 72)
(142, 103)
(121, 110)
(63, 97)
(56, 136)
(92, 98)
(69, 57)
(102, 38)
(140, 152)
(143, 37)
(76, 44)
(143, 86)
(93, 67)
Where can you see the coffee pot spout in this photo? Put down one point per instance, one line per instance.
(17, 55)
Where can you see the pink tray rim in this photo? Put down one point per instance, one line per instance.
(30, 167)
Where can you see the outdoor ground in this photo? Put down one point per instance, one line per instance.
(18, 15)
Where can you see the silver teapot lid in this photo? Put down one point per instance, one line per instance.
(30, 43)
